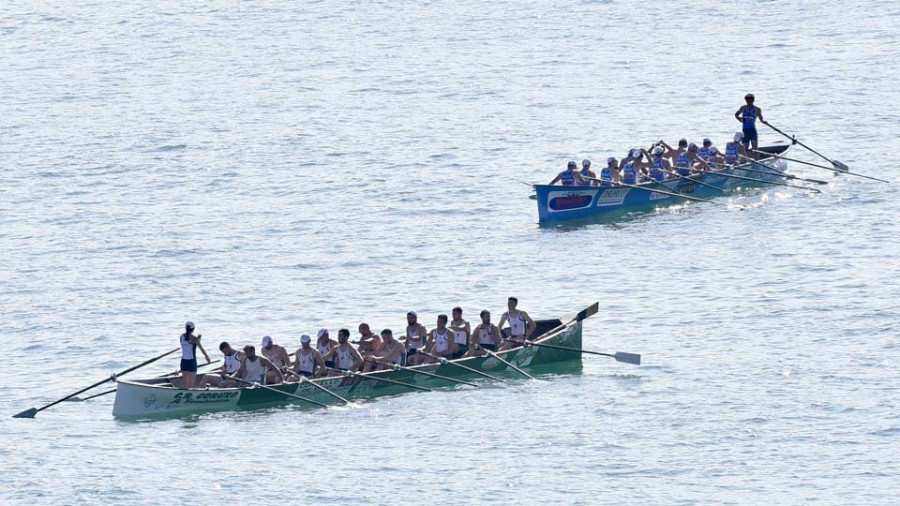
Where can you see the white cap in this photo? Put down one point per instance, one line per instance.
(585, 163)
(189, 325)
(304, 338)
(659, 150)
(738, 136)
(611, 159)
(573, 164)
(321, 332)
(635, 153)
(266, 341)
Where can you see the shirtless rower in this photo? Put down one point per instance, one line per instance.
(486, 335)
(461, 332)
(189, 344)
(569, 177)
(254, 368)
(747, 115)
(368, 340)
(441, 341)
(391, 352)
(416, 334)
(307, 360)
(232, 365)
(277, 355)
(324, 344)
(344, 356)
(521, 326)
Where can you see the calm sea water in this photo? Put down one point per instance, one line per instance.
(272, 168)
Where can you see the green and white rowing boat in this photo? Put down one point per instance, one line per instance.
(162, 397)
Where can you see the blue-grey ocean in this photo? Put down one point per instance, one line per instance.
(270, 168)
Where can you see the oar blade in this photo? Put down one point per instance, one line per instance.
(588, 311)
(28, 413)
(840, 165)
(629, 358)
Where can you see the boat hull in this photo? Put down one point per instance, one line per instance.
(565, 203)
(157, 398)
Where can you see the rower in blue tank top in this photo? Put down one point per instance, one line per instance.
(693, 155)
(747, 115)
(629, 173)
(734, 150)
(569, 177)
(631, 166)
(587, 175)
(704, 151)
(658, 165)
(610, 172)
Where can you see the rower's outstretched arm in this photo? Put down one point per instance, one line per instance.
(556, 179)
(759, 114)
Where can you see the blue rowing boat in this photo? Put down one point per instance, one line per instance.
(564, 203)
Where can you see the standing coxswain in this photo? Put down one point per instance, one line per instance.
(189, 344)
(747, 115)
(461, 332)
(521, 326)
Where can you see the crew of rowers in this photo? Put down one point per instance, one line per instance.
(659, 163)
(449, 339)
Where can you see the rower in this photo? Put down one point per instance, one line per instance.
(694, 159)
(189, 343)
(461, 332)
(368, 340)
(747, 115)
(487, 335)
(277, 355)
(586, 173)
(659, 166)
(324, 344)
(521, 326)
(344, 356)
(610, 172)
(672, 153)
(440, 340)
(392, 352)
(255, 368)
(704, 151)
(714, 159)
(307, 360)
(631, 167)
(569, 177)
(735, 150)
(682, 158)
(232, 365)
(416, 334)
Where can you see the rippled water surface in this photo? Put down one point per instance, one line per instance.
(275, 167)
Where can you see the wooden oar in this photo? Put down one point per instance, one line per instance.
(425, 373)
(383, 380)
(286, 394)
(679, 195)
(29, 413)
(443, 361)
(523, 182)
(508, 363)
(679, 176)
(776, 173)
(837, 164)
(763, 181)
(819, 166)
(111, 390)
(620, 356)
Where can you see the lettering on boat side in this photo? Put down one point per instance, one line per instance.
(612, 197)
(566, 201)
(203, 398)
(686, 187)
(659, 196)
(150, 400)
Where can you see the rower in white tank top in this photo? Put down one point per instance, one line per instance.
(306, 362)
(255, 370)
(344, 358)
(441, 341)
(232, 362)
